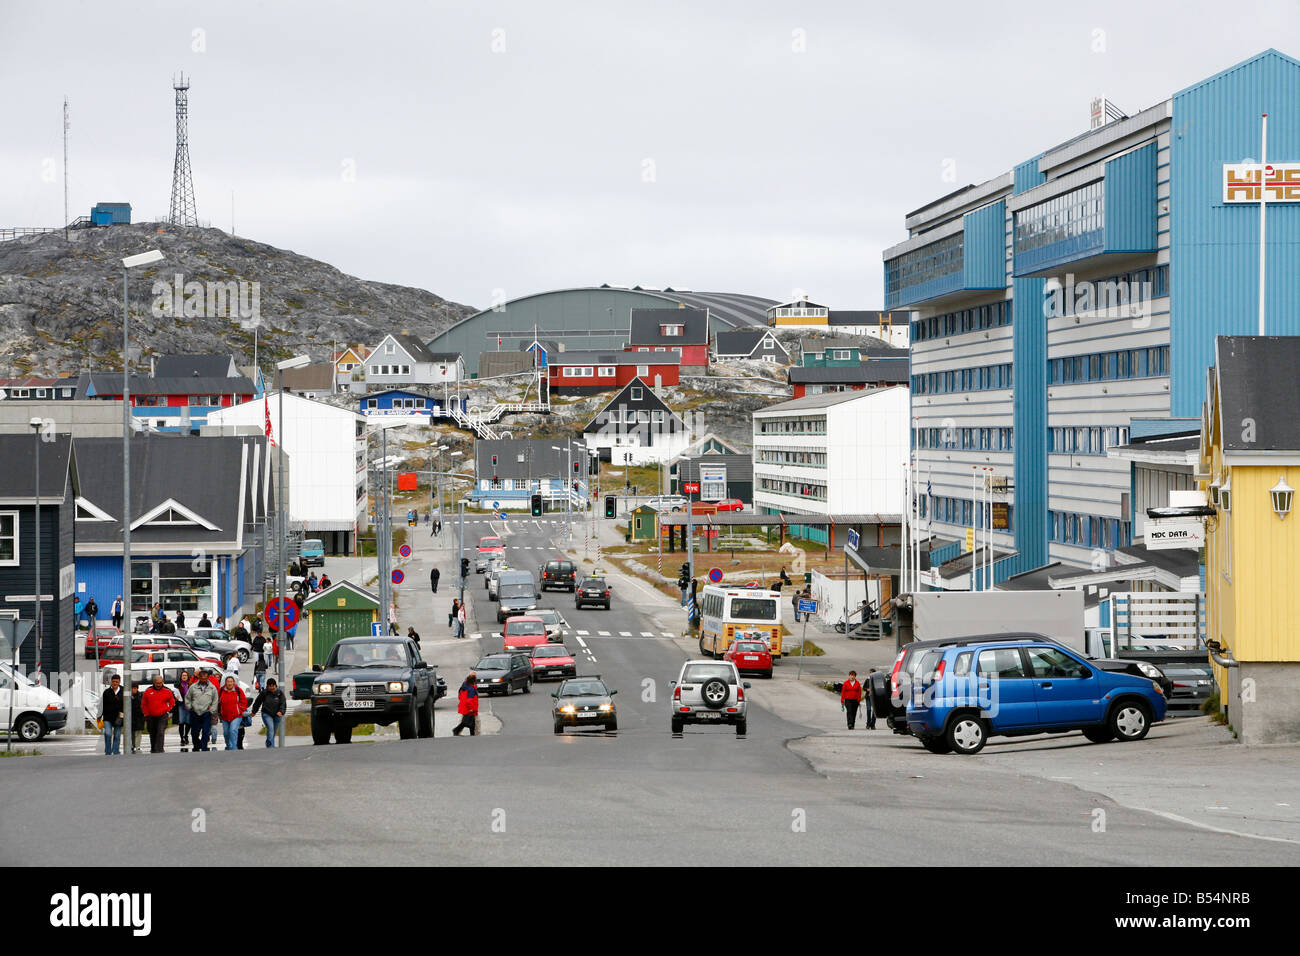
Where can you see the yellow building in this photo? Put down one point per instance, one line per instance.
(1249, 465)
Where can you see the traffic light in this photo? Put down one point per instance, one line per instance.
(464, 567)
(609, 506)
(684, 577)
(537, 505)
(576, 468)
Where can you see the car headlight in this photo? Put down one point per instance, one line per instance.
(397, 687)
(1147, 670)
(568, 709)
(607, 707)
(496, 680)
(326, 688)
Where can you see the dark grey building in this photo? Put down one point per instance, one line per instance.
(758, 344)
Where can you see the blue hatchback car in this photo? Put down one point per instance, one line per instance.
(967, 692)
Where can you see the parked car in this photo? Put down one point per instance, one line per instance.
(166, 647)
(1127, 665)
(379, 680)
(312, 552)
(503, 673)
(36, 709)
(557, 628)
(668, 503)
(558, 574)
(968, 692)
(552, 661)
(709, 692)
(750, 657)
(217, 640)
(594, 590)
(731, 504)
(584, 702)
(488, 547)
(523, 633)
(516, 594)
(103, 635)
(1194, 684)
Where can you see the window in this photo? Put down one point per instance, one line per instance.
(841, 354)
(406, 370)
(657, 415)
(606, 371)
(67, 392)
(659, 348)
(643, 370)
(40, 393)
(372, 403)
(668, 331)
(8, 537)
(637, 392)
(1049, 662)
(643, 349)
(389, 348)
(1001, 662)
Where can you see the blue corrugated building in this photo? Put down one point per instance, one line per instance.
(111, 214)
(1100, 271)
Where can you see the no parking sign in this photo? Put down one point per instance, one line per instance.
(715, 575)
(404, 550)
(398, 576)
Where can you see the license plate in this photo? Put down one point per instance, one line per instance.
(708, 715)
(358, 705)
(590, 714)
(751, 657)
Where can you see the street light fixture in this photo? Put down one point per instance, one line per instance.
(1282, 495)
(298, 361)
(36, 424)
(128, 263)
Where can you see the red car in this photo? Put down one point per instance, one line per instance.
(552, 661)
(523, 633)
(750, 656)
(103, 635)
(731, 504)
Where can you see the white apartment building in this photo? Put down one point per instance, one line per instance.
(835, 453)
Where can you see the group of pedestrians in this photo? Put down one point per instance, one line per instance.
(853, 695)
(198, 704)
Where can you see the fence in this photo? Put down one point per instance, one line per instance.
(1167, 617)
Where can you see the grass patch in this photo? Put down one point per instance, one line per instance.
(20, 753)
(809, 649)
(1212, 710)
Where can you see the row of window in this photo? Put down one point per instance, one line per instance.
(958, 511)
(974, 319)
(963, 380)
(792, 426)
(1089, 531)
(588, 371)
(938, 259)
(1109, 366)
(631, 416)
(781, 456)
(398, 403)
(965, 439)
(1123, 290)
(1085, 440)
(390, 369)
(39, 393)
(1067, 216)
(798, 489)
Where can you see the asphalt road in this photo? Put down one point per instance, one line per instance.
(640, 795)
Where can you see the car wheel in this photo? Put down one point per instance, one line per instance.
(742, 727)
(703, 652)
(1130, 720)
(967, 734)
(343, 735)
(320, 731)
(1098, 735)
(31, 728)
(528, 685)
(715, 692)
(243, 656)
(677, 725)
(559, 727)
(768, 673)
(425, 725)
(936, 745)
(406, 728)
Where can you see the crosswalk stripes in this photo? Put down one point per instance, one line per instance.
(643, 633)
(601, 633)
(620, 633)
(664, 633)
(582, 633)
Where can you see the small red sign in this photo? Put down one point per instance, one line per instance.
(691, 487)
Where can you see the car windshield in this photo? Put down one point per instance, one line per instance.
(753, 609)
(584, 688)
(368, 654)
(515, 628)
(498, 663)
(488, 543)
(516, 590)
(313, 544)
(550, 650)
(697, 673)
(549, 616)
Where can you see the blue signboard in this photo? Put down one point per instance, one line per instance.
(853, 539)
(807, 607)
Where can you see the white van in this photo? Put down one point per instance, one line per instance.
(37, 710)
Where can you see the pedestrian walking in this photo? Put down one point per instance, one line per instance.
(460, 621)
(392, 620)
(325, 581)
(273, 706)
(451, 615)
(259, 648)
(180, 617)
(313, 582)
(137, 718)
(117, 613)
(92, 611)
(413, 635)
(157, 703)
(231, 704)
(201, 699)
(851, 698)
(867, 702)
(182, 711)
(299, 600)
(287, 634)
(219, 623)
(111, 713)
(204, 621)
(794, 603)
(467, 706)
(433, 579)
(259, 672)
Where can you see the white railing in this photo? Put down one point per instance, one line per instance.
(1164, 617)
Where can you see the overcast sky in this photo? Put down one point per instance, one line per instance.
(733, 145)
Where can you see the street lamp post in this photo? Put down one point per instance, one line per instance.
(142, 259)
(282, 523)
(36, 597)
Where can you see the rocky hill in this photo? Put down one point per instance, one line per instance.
(61, 300)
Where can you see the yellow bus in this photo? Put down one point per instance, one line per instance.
(729, 614)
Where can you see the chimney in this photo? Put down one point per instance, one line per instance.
(151, 366)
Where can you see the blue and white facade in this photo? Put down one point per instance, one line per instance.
(408, 403)
(1073, 302)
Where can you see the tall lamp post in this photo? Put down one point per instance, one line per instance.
(36, 597)
(281, 519)
(128, 263)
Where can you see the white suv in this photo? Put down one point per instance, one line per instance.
(709, 692)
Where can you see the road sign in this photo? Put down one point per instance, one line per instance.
(970, 539)
(496, 505)
(807, 607)
(278, 608)
(715, 575)
(398, 576)
(752, 584)
(853, 539)
(500, 516)
(404, 550)
(691, 487)
(376, 629)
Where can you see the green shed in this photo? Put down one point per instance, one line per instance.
(644, 522)
(341, 610)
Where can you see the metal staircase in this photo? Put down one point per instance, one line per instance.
(480, 422)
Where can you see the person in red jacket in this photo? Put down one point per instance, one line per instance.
(851, 698)
(231, 704)
(467, 706)
(157, 702)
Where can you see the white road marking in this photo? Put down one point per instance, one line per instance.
(473, 637)
(580, 640)
(583, 633)
(667, 633)
(601, 633)
(620, 633)
(643, 633)
(592, 656)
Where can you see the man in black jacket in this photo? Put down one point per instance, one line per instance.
(273, 706)
(110, 711)
(433, 579)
